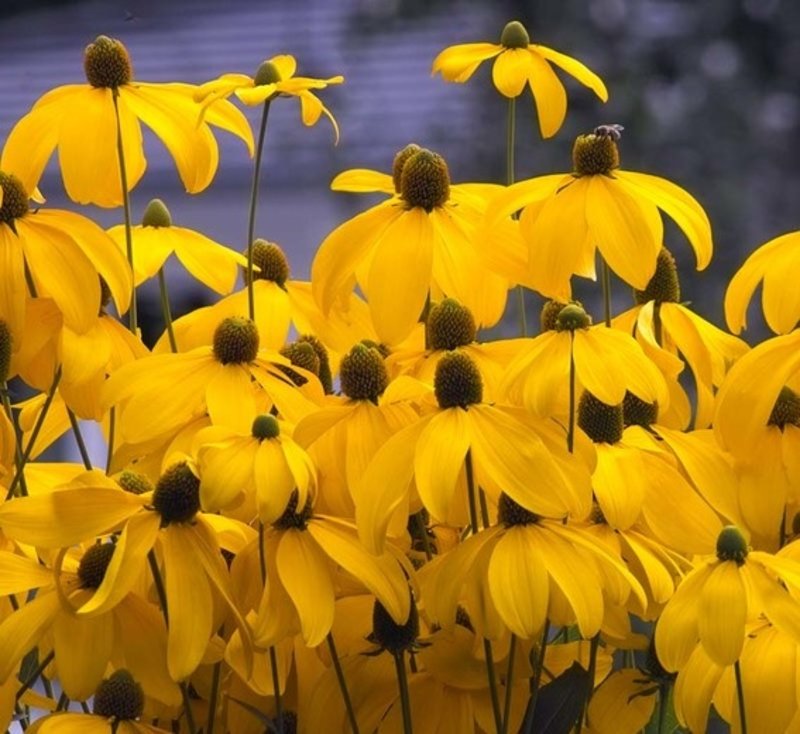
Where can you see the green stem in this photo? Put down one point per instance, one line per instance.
(509, 679)
(663, 693)
(606, 277)
(133, 321)
(740, 696)
(212, 703)
(572, 411)
(63, 702)
(76, 429)
(473, 505)
(18, 439)
(657, 322)
(337, 666)
(593, 647)
(165, 310)
(484, 507)
(26, 455)
(34, 676)
(423, 529)
(536, 681)
(273, 659)
(251, 218)
(402, 684)
(112, 424)
(162, 598)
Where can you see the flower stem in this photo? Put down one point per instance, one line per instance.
(212, 703)
(162, 598)
(18, 439)
(251, 218)
(273, 659)
(112, 423)
(595, 643)
(473, 505)
(26, 455)
(165, 310)
(509, 678)
(536, 681)
(571, 428)
(76, 429)
(657, 329)
(133, 321)
(337, 666)
(34, 676)
(740, 696)
(606, 276)
(402, 684)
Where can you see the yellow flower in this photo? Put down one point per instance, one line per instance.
(81, 121)
(519, 62)
(156, 238)
(419, 241)
(607, 362)
(714, 603)
(163, 392)
(64, 253)
(502, 446)
(273, 78)
(566, 216)
(260, 468)
(774, 263)
(660, 320)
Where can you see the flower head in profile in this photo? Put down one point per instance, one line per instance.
(567, 217)
(273, 78)
(84, 120)
(519, 62)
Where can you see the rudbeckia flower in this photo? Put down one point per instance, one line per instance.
(567, 216)
(163, 392)
(758, 421)
(156, 238)
(304, 553)
(530, 569)
(83, 120)
(273, 78)
(519, 62)
(774, 264)
(64, 253)
(607, 363)
(714, 603)
(418, 242)
(503, 447)
(113, 633)
(164, 524)
(664, 321)
(119, 703)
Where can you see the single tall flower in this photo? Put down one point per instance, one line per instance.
(84, 120)
(273, 78)
(567, 216)
(519, 62)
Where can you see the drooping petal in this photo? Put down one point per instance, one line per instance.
(510, 71)
(23, 629)
(722, 613)
(212, 264)
(550, 95)
(13, 288)
(19, 574)
(780, 298)
(575, 69)
(304, 573)
(458, 63)
(230, 398)
(363, 181)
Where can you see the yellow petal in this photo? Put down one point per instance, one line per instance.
(310, 110)
(22, 630)
(13, 288)
(224, 115)
(400, 275)
(722, 613)
(780, 299)
(304, 573)
(620, 705)
(574, 68)
(518, 583)
(510, 71)
(19, 574)
(620, 484)
(189, 602)
(212, 264)
(236, 413)
(226, 472)
(274, 482)
(363, 181)
(551, 98)
(458, 63)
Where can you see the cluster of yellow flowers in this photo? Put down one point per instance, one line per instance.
(387, 524)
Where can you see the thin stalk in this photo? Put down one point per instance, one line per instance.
(162, 598)
(740, 696)
(606, 276)
(273, 658)
(657, 329)
(251, 218)
(487, 646)
(212, 703)
(133, 321)
(337, 666)
(34, 676)
(17, 441)
(536, 681)
(402, 684)
(112, 424)
(484, 508)
(572, 416)
(165, 310)
(663, 693)
(509, 678)
(26, 455)
(511, 126)
(63, 702)
(423, 529)
(76, 429)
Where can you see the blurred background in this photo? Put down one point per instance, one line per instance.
(708, 92)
